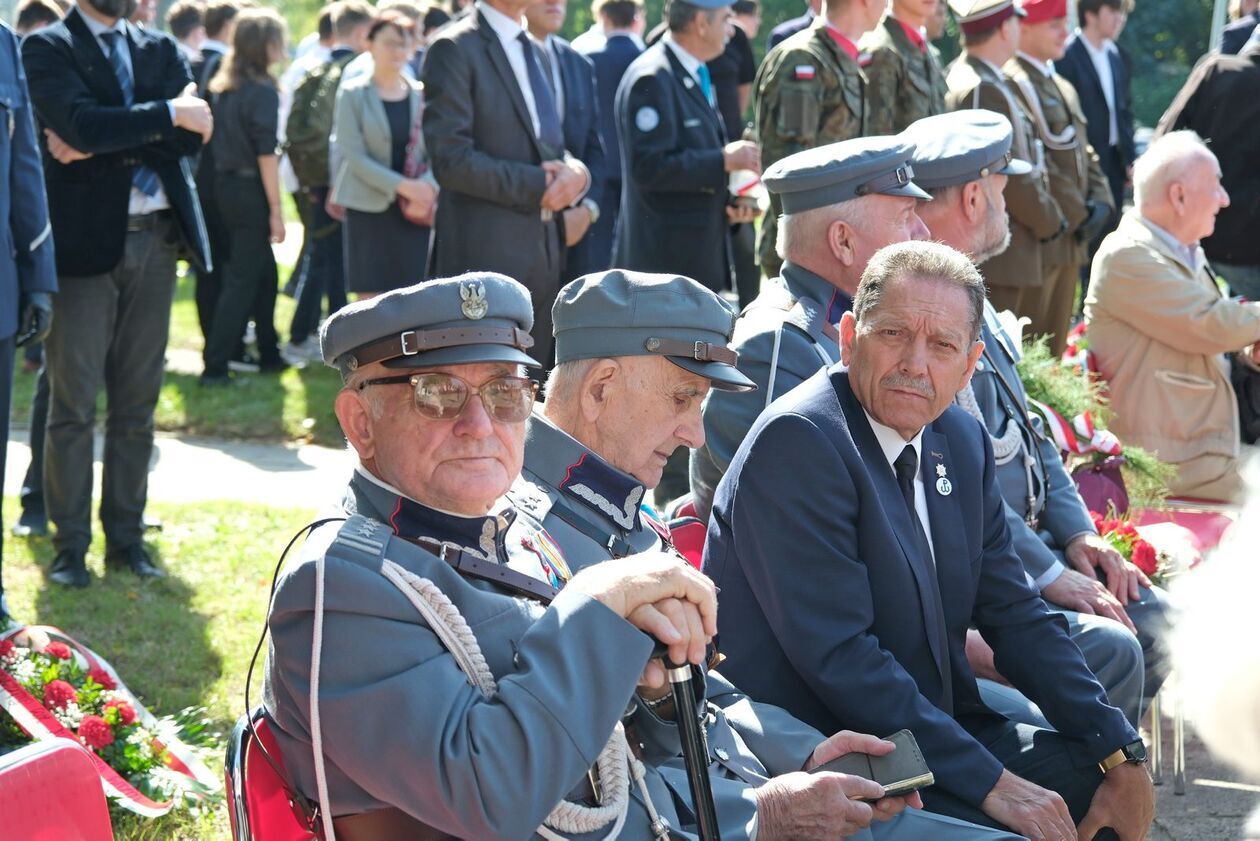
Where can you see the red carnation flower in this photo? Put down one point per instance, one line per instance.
(95, 732)
(126, 712)
(6, 648)
(58, 694)
(1144, 557)
(58, 649)
(102, 678)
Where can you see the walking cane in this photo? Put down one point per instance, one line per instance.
(695, 748)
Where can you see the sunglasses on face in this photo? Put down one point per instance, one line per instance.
(507, 399)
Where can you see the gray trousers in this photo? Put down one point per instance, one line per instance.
(110, 331)
(917, 825)
(1130, 669)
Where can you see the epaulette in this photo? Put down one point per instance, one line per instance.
(363, 539)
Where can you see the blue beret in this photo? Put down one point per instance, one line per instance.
(842, 171)
(475, 317)
(624, 313)
(962, 146)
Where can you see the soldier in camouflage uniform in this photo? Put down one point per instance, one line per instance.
(811, 91)
(904, 77)
(1076, 179)
(991, 34)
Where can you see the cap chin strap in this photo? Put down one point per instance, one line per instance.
(412, 342)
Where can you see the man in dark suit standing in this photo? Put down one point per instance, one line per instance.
(611, 57)
(573, 82)
(28, 275)
(122, 126)
(1235, 36)
(675, 216)
(1093, 65)
(860, 531)
(497, 146)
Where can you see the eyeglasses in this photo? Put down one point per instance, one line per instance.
(440, 396)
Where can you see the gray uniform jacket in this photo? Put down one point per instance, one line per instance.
(592, 511)
(783, 337)
(402, 726)
(1051, 506)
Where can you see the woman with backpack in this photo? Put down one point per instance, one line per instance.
(246, 104)
(381, 175)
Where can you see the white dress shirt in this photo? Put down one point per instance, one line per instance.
(509, 31)
(891, 442)
(140, 203)
(1102, 66)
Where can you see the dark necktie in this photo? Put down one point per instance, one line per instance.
(142, 178)
(906, 466)
(550, 134)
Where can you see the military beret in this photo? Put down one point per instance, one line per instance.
(962, 146)
(1040, 11)
(976, 16)
(843, 171)
(475, 317)
(624, 313)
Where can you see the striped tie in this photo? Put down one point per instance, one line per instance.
(143, 179)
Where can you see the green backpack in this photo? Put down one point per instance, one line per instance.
(311, 121)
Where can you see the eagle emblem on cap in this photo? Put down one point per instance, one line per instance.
(473, 294)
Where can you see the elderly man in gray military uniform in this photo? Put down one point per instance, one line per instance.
(635, 355)
(426, 677)
(963, 159)
(841, 203)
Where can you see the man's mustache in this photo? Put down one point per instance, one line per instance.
(921, 385)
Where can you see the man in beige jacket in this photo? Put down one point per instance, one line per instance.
(1161, 328)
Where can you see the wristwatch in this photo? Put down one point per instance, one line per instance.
(591, 208)
(1134, 752)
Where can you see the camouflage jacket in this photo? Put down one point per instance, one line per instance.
(808, 92)
(904, 83)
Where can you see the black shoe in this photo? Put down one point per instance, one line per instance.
(7, 622)
(215, 380)
(133, 558)
(274, 366)
(69, 570)
(33, 522)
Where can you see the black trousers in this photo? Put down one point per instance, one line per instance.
(1039, 756)
(249, 276)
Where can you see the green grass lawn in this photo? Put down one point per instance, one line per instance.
(178, 642)
(294, 406)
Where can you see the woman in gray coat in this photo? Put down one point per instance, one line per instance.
(379, 166)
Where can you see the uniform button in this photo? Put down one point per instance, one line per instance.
(722, 754)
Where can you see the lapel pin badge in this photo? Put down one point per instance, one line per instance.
(943, 486)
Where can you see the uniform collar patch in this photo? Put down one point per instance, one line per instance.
(483, 537)
(604, 489)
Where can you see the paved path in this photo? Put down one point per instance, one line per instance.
(187, 469)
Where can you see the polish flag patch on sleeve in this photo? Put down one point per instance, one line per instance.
(804, 72)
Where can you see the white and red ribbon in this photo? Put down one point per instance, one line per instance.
(41, 724)
(1078, 437)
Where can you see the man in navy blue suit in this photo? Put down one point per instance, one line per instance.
(860, 532)
(790, 27)
(611, 55)
(573, 80)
